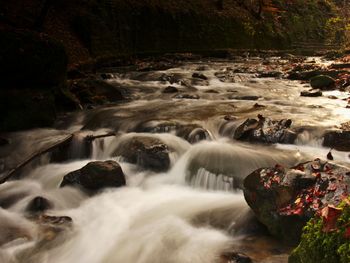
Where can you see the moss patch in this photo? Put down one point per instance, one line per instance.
(320, 246)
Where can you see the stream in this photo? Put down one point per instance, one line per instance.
(191, 211)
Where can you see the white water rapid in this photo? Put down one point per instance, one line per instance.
(191, 212)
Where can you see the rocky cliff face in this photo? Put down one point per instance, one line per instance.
(91, 28)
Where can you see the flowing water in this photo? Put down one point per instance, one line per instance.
(195, 211)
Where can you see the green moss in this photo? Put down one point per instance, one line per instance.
(318, 246)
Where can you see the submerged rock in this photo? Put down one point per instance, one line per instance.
(147, 152)
(322, 82)
(271, 74)
(312, 93)
(285, 199)
(235, 257)
(187, 96)
(265, 130)
(170, 89)
(199, 76)
(39, 204)
(94, 91)
(96, 176)
(227, 76)
(248, 97)
(191, 132)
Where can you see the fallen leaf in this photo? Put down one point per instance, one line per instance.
(347, 232)
(330, 215)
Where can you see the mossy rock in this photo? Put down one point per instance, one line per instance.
(324, 247)
(322, 82)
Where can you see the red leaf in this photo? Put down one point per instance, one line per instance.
(332, 187)
(330, 215)
(347, 232)
(298, 211)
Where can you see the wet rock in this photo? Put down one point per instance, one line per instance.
(93, 91)
(147, 152)
(341, 66)
(311, 93)
(322, 82)
(307, 71)
(251, 97)
(173, 78)
(285, 199)
(4, 141)
(55, 220)
(211, 91)
(332, 97)
(96, 176)
(106, 76)
(226, 76)
(187, 96)
(51, 228)
(75, 73)
(39, 204)
(337, 139)
(271, 74)
(170, 89)
(235, 257)
(199, 76)
(191, 132)
(265, 130)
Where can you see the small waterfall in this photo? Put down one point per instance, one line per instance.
(193, 210)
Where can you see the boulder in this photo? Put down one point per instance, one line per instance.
(322, 82)
(96, 176)
(199, 76)
(211, 91)
(284, 200)
(170, 89)
(93, 91)
(271, 74)
(337, 139)
(265, 130)
(312, 93)
(147, 152)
